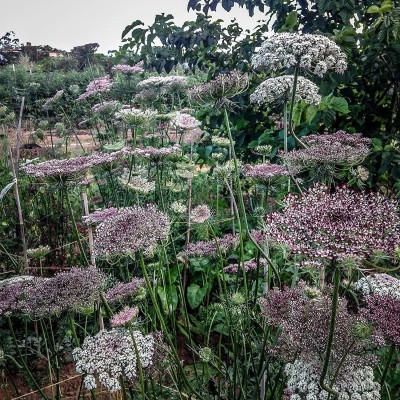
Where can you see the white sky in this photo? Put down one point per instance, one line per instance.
(67, 23)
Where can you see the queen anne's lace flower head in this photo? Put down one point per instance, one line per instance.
(110, 355)
(106, 107)
(124, 317)
(334, 149)
(135, 290)
(50, 102)
(200, 214)
(313, 53)
(136, 117)
(340, 225)
(266, 171)
(279, 90)
(219, 90)
(185, 121)
(379, 285)
(129, 230)
(165, 84)
(127, 69)
(210, 248)
(97, 86)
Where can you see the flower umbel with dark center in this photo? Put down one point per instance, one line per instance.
(340, 225)
(200, 214)
(265, 171)
(129, 230)
(313, 53)
(221, 89)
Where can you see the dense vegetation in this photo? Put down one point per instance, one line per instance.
(215, 217)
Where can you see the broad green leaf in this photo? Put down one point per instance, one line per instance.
(130, 27)
(373, 10)
(168, 296)
(195, 295)
(340, 105)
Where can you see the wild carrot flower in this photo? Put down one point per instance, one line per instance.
(339, 225)
(156, 155)
(200, 214)
(106, 107)
(164, 84)
(220, 141)
(250, 265)
(278, 90)
(124, 317)
(127, 69)
(98, 216)
(135, 290)
(210, 248)
(333, 149)
(178, 207)
(265, 171)
(136, 117)
(379, 285)
(185, 121)
(219, 90)
(65, 291)
(110, 355)
(97, 86)
(38, 252)
(313, 53)
(131, 229)
(50, 102)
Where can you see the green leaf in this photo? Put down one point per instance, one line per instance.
(134, 24)
(264, 137)
(340, 105)
(291, 19)
(373, 10)
(311, 112)
(168, 296)
(297, 113)
(195, 295)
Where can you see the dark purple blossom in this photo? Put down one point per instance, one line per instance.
(343, 224)
(210, 248)
(123, 291)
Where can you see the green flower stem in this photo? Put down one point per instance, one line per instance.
(75, 229)
(139, 364)
(164, 328)
(106, 306)
(335, 298)
(388, 362)
(24, 365)
(240, 196)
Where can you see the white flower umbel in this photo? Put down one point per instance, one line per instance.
(110, 355)
(136, 117)
(313, 53)
(380, 285)
(279, 90)
(358, 383)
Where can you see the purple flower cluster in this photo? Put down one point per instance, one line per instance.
(50, 296)
(343, 224)
(250, 265)
(223, 86)
(185, 121)
(151, 153)
(49, 102)
(98, 85)
(304, 326)
(127, 69)
(124, 317)
(210, 248)
(106, 107)
(129, 230)
(384, 312)
(265, 171)
(100, 216)
(70, 166)
(135, 289)
(336, 148)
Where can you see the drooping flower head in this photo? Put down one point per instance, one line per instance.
(219, 90)
(110, 355)
(130, 230)
(340, 225)
(274, 91)
(97, 86)
(106, 107)
(313, 53)
(163, 84)
(128, 70)
(52, 100)
(333, 149)
(136, 117)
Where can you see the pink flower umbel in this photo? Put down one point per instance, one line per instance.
(124, 317)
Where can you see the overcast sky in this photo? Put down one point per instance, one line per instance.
(67, 23)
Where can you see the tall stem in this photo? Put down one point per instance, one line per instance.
(328, 351)
(388, 362)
